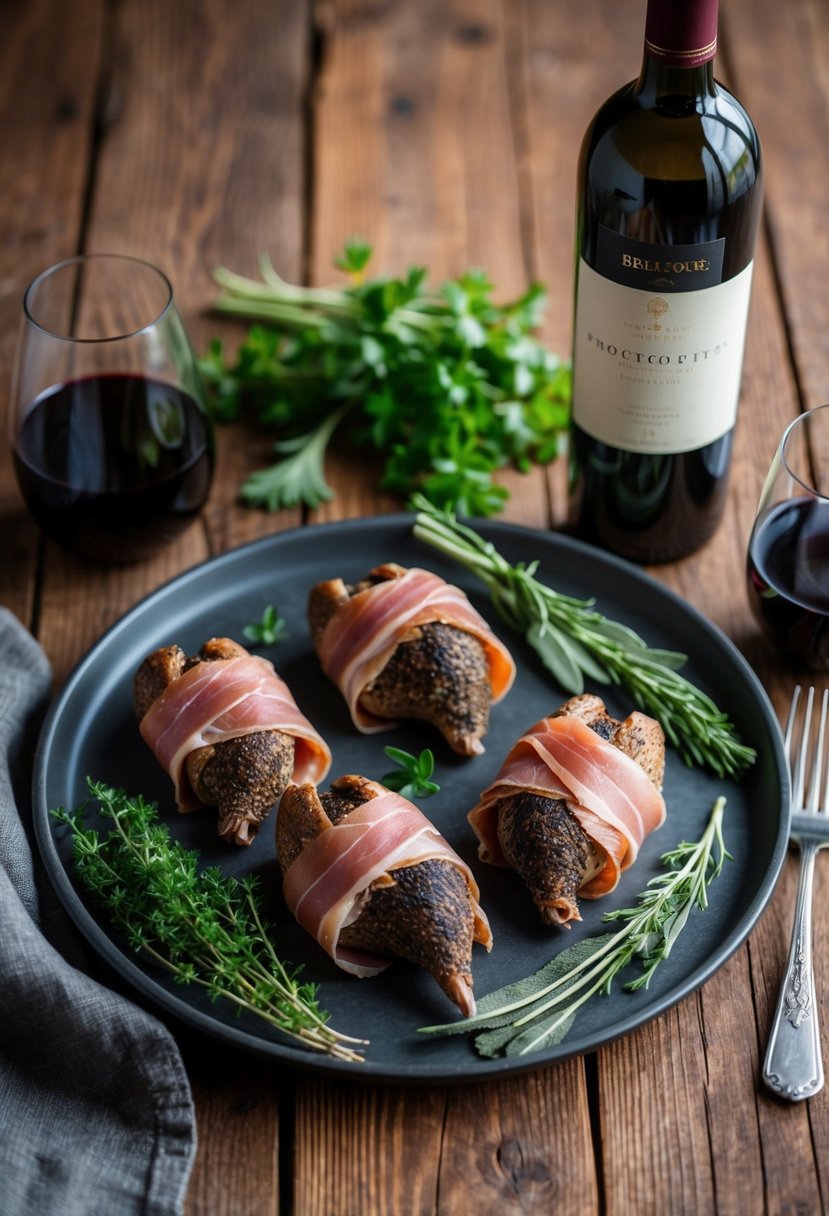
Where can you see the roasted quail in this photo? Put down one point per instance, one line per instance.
(242, 776)
(437, 670)
(425, 912)
(559, 849)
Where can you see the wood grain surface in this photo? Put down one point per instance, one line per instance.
(447, 132)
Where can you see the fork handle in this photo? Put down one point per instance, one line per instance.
(793, 1067)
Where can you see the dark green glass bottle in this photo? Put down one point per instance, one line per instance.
(669, 198)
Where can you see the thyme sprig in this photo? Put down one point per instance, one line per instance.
(574, 640)
(204, 927)
(538, 1011)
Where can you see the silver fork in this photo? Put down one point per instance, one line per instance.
(793, 1067)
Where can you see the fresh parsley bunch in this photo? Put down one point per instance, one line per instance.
(446, 387)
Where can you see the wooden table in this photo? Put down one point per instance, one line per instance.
(446, 131)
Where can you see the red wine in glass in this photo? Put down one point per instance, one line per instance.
(112, 466)
(788, 578)
(112, 445)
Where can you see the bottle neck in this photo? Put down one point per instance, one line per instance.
(680, 44)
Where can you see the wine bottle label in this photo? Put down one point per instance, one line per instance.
(658, 351)
(658, 267)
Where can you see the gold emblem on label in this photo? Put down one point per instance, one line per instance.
(657, 307)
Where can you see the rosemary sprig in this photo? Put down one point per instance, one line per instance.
(538, 1011)
(574, 640)
(205, 928)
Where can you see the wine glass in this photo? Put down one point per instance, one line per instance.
(111, 440)
(788, 552)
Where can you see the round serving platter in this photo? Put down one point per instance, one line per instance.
(91, 731)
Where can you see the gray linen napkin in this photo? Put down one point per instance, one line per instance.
(96, 1117)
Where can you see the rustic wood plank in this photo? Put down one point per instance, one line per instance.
(655, 1148)
(794, 128)
(526, 1151)
(793, 1140)
(237, 1161)
(49, 62)
(200, 129)
(415, 1151)
(258, 185)
(571, 68)
(363, 1148)
(401, 88)
(672, 1073)
(216, 71)
(566, 69)
(172, 177)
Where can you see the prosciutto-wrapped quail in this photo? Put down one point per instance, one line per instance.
(572, 804)
(227, 730)
(405, 644)
(372, 879)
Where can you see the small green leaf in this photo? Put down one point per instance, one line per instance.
(413, 778)
(270, 629)
(355, 257)
(300, 477)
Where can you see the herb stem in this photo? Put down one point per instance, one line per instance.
(204, 928)
(590, 967)
(575, 640)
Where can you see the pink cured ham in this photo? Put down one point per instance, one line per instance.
(323, 886)
(612, 797)
(223, 700)
(363, 633)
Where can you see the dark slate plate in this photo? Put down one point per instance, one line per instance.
(90, 730)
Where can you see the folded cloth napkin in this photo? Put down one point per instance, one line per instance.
(96, 1117)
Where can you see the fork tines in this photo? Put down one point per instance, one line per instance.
(801, 744)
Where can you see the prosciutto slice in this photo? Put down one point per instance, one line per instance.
(363, 633)
(325, 884)
(610, 795)
(221, 700)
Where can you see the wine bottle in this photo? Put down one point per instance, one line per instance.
(669, 200)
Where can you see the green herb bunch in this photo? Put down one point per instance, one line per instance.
(538, 1011)
(205, 928)
(574, 640)
(444, 387)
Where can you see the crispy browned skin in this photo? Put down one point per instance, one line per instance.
(243, 778)
(544, 841)
(438, 673)
(422, 913)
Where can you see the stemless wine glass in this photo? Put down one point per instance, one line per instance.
(112, 444)
(788, 553)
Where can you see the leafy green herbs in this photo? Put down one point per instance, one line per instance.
(445, 387)
(413, 778)
(573, 640)
(538, 1011)
(269, 630)
(207, 929)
